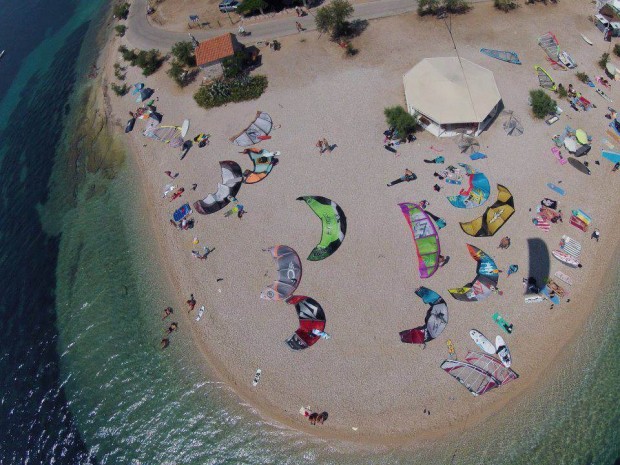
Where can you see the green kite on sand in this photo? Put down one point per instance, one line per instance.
(334, 226)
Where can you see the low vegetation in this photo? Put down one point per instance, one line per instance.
(505, 5)
(583, 77)
(149, 60)
(604, 60)
(184, 53)
(121, 10)
(223, 91)
(178, 73)
(333, 19)
(562, 92)
(235, 65)
(120, 30)
(437, 7)
(119, 72)
(119, 90)
(398, 118)
(542, 104)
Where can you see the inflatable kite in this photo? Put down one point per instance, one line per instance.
(494, 217)
(485, 281)
(311, 317)
(334, 226)
(255, 132)
(231, 183)
(476, 194)
(425, 238)
(288, 267)
(435, 322)
(263, 160)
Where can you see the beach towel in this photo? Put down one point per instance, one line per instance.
(477, 156)
(541, 224)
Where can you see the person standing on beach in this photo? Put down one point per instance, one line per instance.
(595, 235)
(616, 167)
(326, 146)
(191, 303)
(298, 25)
(319, 144)
(172, 327)
(165, 342)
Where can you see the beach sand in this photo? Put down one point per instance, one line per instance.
(364, 376)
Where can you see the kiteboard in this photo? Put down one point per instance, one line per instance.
(130, 124)
(564, 277)
(531, 299)
(182, 212)
(604, 95)
(256, 377)
(502, 323)
(200, 313)
(555, 188)
(566, 258)
(451, 351)
(586, 40)
(503, 352)
(184, 128)
(482, 342)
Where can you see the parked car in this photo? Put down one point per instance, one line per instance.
(228, 6)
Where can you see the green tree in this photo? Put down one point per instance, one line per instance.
(128, 55)
(604, 60)
(178, 73)
(235, 65)
(398, 118)
(505, 5)
(119, 90)
(333, 18)
(120, 29)
(184, 53)
(121, 10)
(542, 104)
(149, 61)
(428, 7)
(583, 77)
(250, 6)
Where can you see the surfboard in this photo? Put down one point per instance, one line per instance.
(201, 311)
(586, 40)
(532, 299)
(604, 95)
(185, 128)
(482, 342)
(611, 156)
(256, 377)
(503, 352)
(502, 323)
(555, 188)
(564, 278)
(565, 258)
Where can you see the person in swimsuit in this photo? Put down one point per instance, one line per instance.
(408, 176)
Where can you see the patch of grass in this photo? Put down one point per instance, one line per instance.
(119, 90)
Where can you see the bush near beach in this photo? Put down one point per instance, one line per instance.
(542, 104)
(434, 7)
(150, 61)
(223, 91)
(505, 5)
(121, 10)
(398, 118)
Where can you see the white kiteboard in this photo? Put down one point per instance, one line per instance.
(200, 313)
(531, 299)
(503, 352)
(564, 277)
(184, 128)
(256, 377)
(482, 342)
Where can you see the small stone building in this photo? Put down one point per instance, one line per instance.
(210, 53)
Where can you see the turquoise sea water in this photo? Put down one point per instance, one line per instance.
(84, 379)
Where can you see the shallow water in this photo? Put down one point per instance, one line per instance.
(84, 379)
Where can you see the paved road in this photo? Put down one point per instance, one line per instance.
(141, 34)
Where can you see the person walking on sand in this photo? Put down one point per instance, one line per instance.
(616, 167)
(191, 303)
(326, 146)
(595, 235)
(313, 417)
(298, 25)
(170, 175)
(167, 312)
(408, 176)
(319, 144)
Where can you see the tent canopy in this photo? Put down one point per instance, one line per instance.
(442, 90)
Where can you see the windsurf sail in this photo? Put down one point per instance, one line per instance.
(263, 160)
(510, 57)
(544, 79)
(474, 379)
(288, 267)
(551, 46)
(425, 238)
(334, 224)
(494, 217)
(167, 134)
(477, 191)
(311, 317)
(255, 132)
(435, 322)
(485, 282)
(492, 366)
(229, 187)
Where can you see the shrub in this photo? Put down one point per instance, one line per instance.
(617, 50)
(128, 55)
(333, 19)
(121, 10)
(562, 92)
(250, 6)
(428, 7)
(184, 53)
(224, 91)
(604, 60)
(178, 73)
(350, 51)
(398, 118)
(120, 29)
(583, 77)
(119, 90)
(457, 6)
(149, 61)
(542, 104)
(505, 5)
(235, 65)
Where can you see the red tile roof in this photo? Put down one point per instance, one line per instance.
(215, 49)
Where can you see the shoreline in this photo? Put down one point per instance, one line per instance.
(268, 409)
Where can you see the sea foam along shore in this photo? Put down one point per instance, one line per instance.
(364, 376)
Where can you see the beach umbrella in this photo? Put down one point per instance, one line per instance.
(571, 144)
(512, 126)
(467, 143)
(582, 137)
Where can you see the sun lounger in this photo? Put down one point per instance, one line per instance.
(552, 120)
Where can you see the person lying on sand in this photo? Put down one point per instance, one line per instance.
(408, 176)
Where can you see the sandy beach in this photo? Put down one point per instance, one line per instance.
(374, 387)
